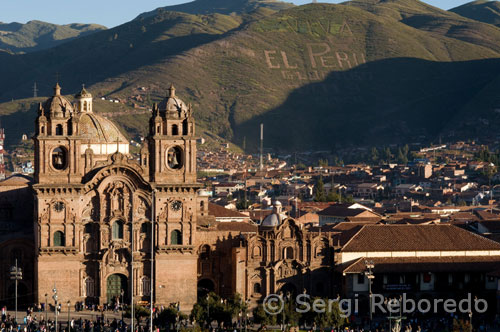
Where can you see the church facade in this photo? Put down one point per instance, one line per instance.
(94, 206)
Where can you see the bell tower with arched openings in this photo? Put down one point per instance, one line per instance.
(172, 171)
(56, 143)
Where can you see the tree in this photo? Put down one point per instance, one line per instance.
(323, 163)
(387, 155)
(402, 158)
(139, 312)
(260, 316)
(374, 155)
(333, 196)
(331, 316)
(348, 199)
(242, 204)
(169, 316)
(213, 307)
(406, 150)
(319, 191)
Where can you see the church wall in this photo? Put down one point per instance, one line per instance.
(176, 280)
(65, 277)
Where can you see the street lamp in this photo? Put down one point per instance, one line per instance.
(69, 303)
(208, 310)
(46, 318)
(122, 292)
(247, 302)
(55, 301)
(369, 275)
(470, 320)
(152, 255)
(16, 274)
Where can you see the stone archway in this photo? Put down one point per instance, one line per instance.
(289, 289)
(205, 286)
(114, 286)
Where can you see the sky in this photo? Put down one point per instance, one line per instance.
(111, 13)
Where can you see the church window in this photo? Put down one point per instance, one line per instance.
(174, 157)
(257, 252)
(256, 288)
(89, 287)
(59, 158)
(288, 253)
(43, 130)
(184, 128)
(88, 228)
(59, 130)
(59, 239)
(146, 286)
(205, 252)
(202, 206)
(85, 106)
(145, 228)
(176, 237)
(117, 229)
(175, 130)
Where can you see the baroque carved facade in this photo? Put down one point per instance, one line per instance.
(94, 205)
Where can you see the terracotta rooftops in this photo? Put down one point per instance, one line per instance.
(237, 227)
(221, 212)
(387, 238)
(423, 264)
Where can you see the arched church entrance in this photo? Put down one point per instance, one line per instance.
(114, 286)
(205, 286)
(289, 289)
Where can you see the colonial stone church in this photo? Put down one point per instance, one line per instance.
(93, 212)
(94, 205)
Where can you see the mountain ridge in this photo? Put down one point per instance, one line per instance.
(480, 10)
(316, 75)
(38, 35)
(219, 6)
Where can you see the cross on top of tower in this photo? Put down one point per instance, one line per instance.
(171, 91)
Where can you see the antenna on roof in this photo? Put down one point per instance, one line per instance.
(261, 144)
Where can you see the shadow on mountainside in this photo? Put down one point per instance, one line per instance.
(399, 100)
(102, 55)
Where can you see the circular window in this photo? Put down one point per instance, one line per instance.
(59, 158)
(59, 206)
(174, 157)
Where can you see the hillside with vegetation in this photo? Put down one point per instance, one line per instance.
(480, 10)
(234, 7)
(318, 76)
(37, 35)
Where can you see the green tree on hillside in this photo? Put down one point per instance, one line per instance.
(374, 156)
(319, 191)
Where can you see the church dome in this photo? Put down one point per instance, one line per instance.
(275, 218)
(98, 129)
(271, 220)
(57, 104)
(172, 103)
(83, 94)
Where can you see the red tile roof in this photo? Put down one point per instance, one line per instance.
(384, 238)
(237, 227)
(221, 212)
(424, 264)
